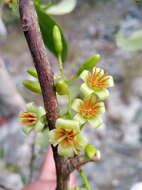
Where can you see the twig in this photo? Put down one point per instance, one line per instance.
(78, 161)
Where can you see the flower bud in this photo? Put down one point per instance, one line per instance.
(62, 87)
(57, 39)
(32, 86)
(90, 151)
(32, 72)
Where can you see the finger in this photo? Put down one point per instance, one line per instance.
(48, 171)
(72, 181)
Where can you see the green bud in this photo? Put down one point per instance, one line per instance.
(32, 72)
(89, 64)
(32, 86)
(62, 87)
(57, 39)
(90, 151)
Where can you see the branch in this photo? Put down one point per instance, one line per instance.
(78, 161)
(39, 54)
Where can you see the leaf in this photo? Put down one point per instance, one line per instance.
(63, 7)
(47, 23)
(89, 64)
(132, 43)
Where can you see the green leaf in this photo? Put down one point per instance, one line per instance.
(63, 7)
(32, 72)
(89, 64)
(132, 43)
(47, 23)
(32, 86)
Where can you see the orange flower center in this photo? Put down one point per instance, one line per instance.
(68, 135)
(67, 138)
(28, 118)
(89, 108)
(7, 1)
(97, 80)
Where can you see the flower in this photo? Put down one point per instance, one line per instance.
(68, 137)
(32, 118)
(7, 1)
(96, 82)
(89, 110)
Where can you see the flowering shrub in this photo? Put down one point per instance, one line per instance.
(67, 133)
(68, 136)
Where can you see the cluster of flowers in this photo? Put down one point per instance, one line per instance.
(67, 134)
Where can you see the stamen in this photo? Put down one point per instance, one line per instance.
(95, 80)
(89, 108)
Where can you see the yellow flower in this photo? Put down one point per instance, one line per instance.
(68, 137)
(28, 118)
(89, 110)
(7, 1)
(96, 82)
(32, 117)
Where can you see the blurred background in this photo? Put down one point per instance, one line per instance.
(112, 28)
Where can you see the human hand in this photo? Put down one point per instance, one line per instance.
(47, 177)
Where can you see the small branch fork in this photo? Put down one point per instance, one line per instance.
(30, 26)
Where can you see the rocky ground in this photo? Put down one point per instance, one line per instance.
(91, 28)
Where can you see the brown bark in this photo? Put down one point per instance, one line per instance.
(39, 54)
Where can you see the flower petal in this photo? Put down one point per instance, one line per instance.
(51, 136)
(66, 151)
(101, 108)
(41, 111)
(39, 126)
(84, 75)
(102, 94)
(109, 82)
(86, 90)
(76, 104)
(98, 70)
(31, 107)
(96, 122)
(67, 124)
(82, 142)
(79, 118)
